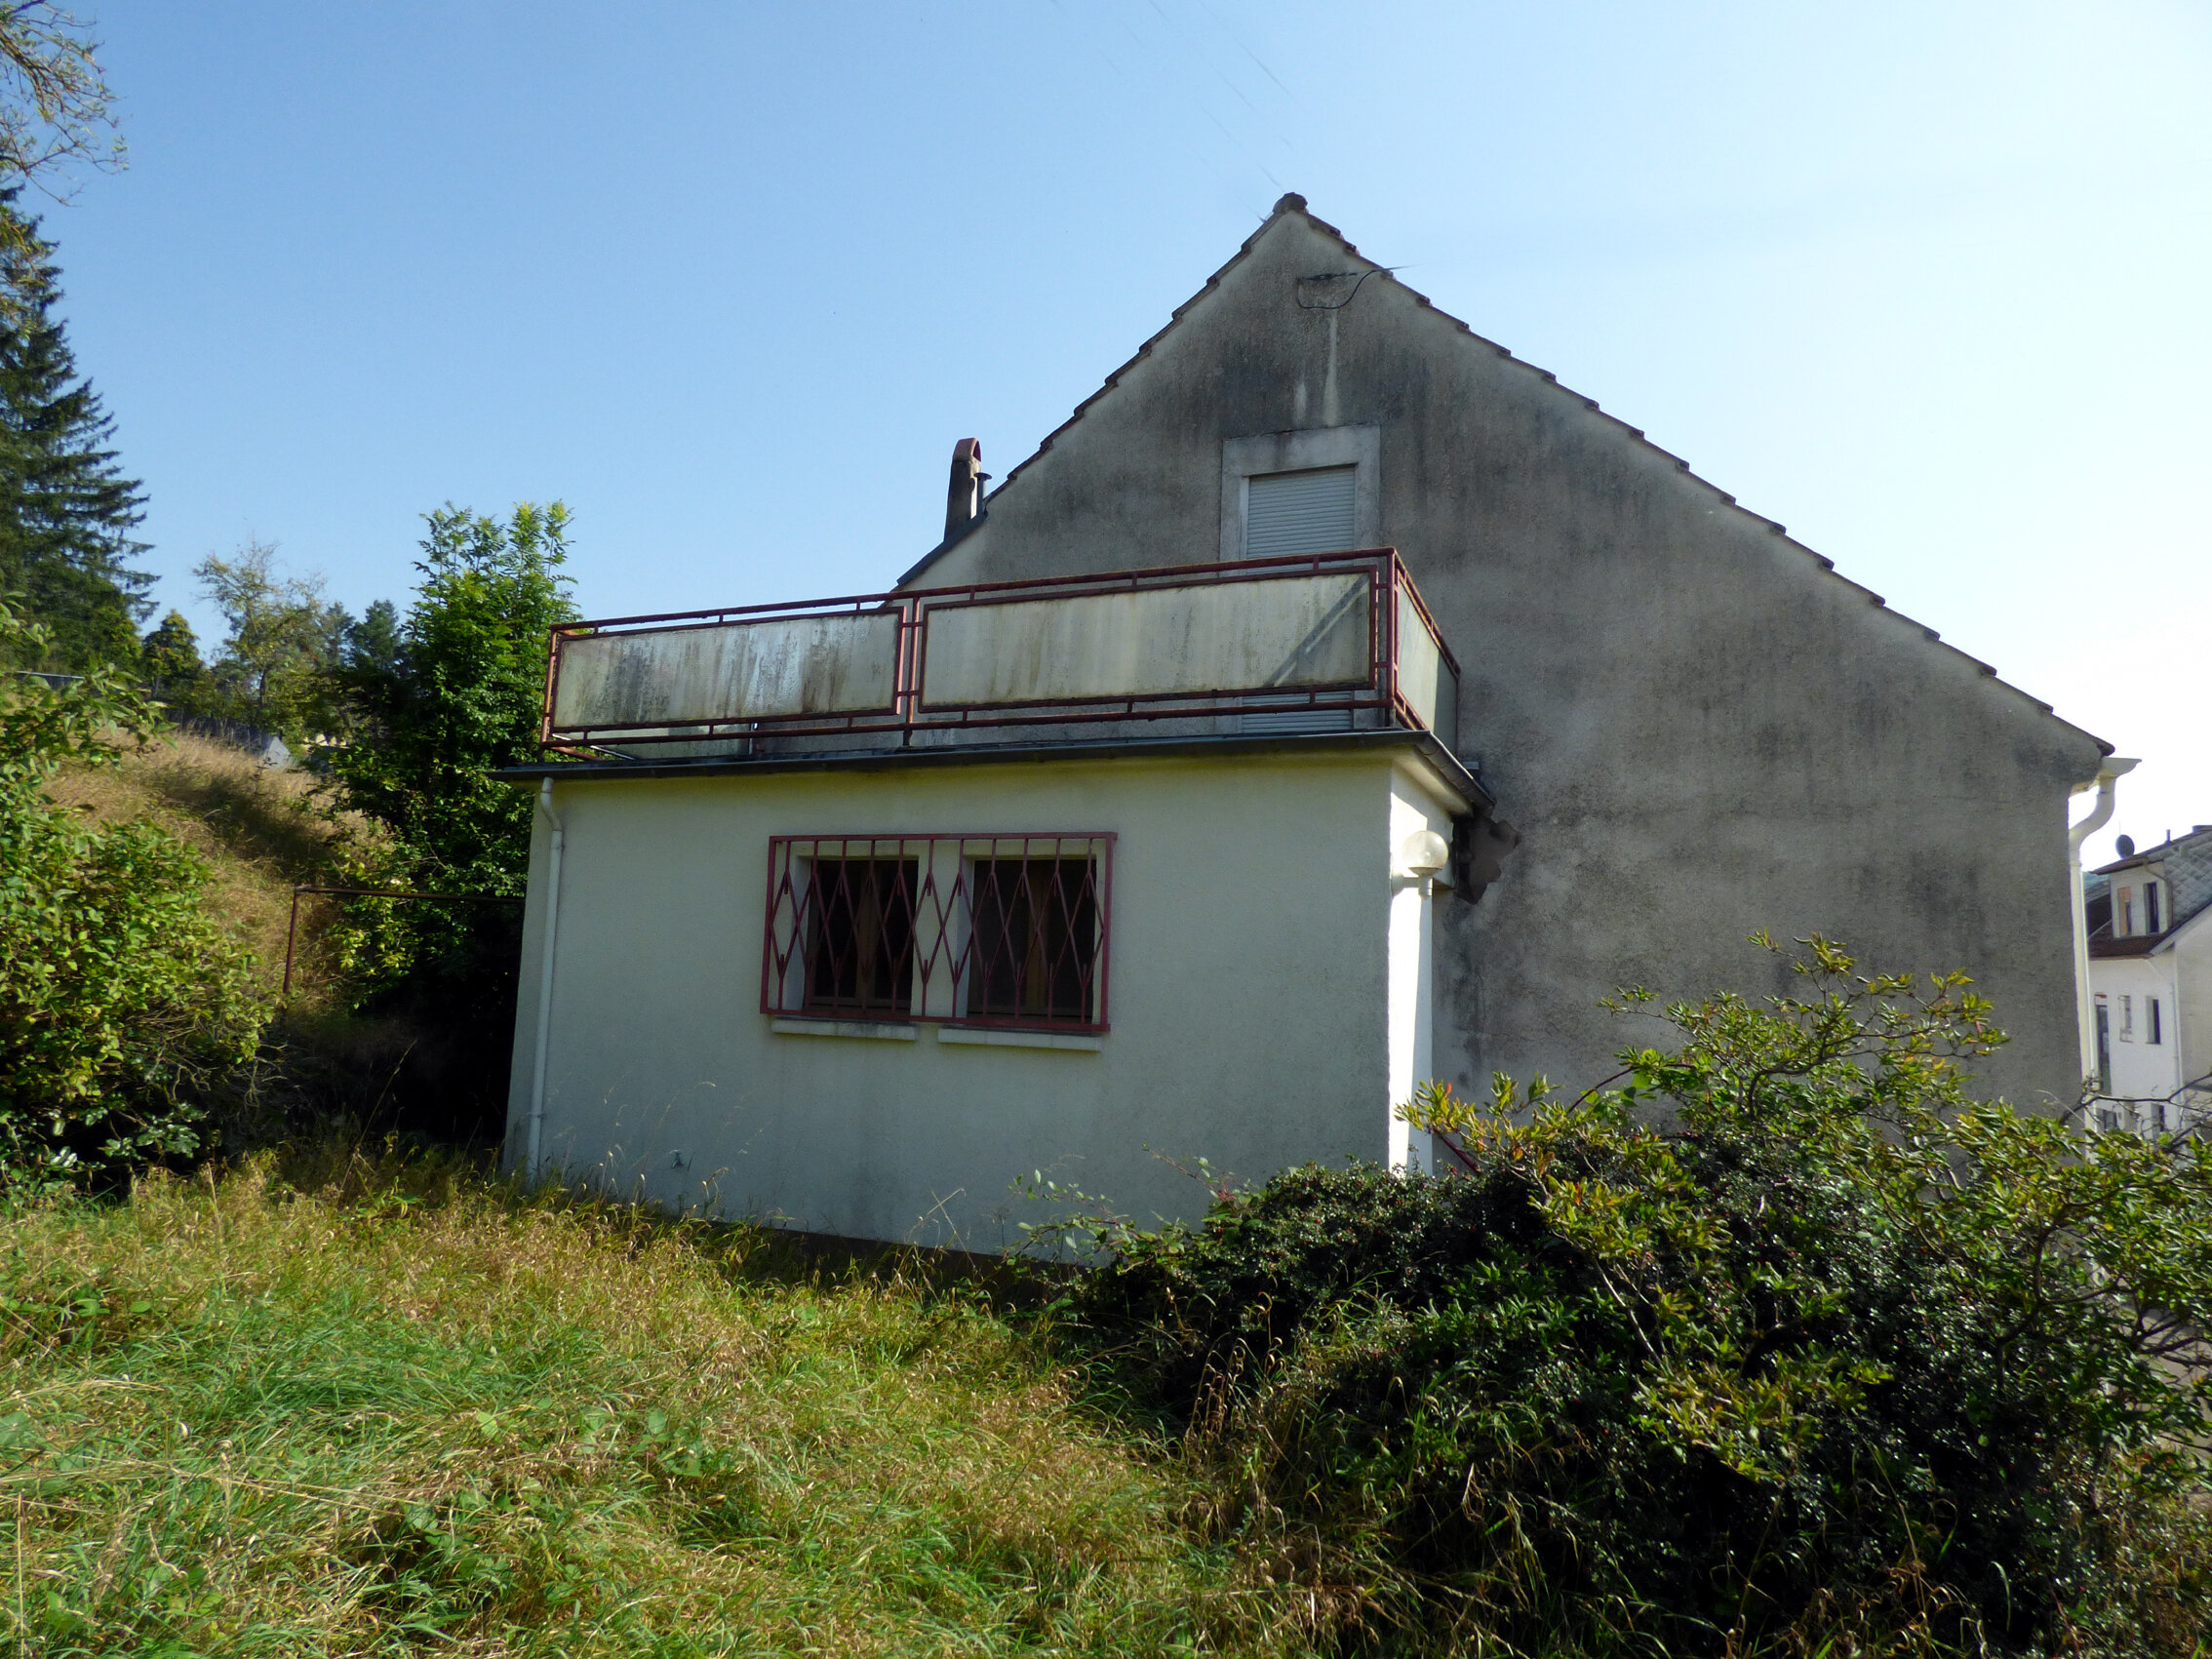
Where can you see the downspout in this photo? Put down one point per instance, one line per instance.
(545, 983)
(2085, 1004)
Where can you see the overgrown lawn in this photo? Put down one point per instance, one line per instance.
(367, 1407)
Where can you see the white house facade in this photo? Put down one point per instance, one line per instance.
(1084, 879)
(1154, 814)
(2148, 916)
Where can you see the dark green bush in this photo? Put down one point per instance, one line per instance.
(1778, 1345)
(123, 1002)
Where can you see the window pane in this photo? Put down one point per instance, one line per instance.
(860, 936)
(1299, 512)
(1034, 951)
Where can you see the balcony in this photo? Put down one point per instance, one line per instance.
(1319, 642)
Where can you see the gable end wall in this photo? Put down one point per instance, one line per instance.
(1700, 730)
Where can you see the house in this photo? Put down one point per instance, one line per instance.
(1161, 810)
(2148, 917)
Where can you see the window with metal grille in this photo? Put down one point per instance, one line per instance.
(860, 936)
(1034, 938)
(959, 929)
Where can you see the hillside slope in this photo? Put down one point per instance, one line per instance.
(259, 828)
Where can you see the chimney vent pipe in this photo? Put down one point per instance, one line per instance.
(964, 497)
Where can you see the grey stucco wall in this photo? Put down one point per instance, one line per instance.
(1698, 728)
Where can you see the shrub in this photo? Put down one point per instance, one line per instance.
(1777, 1343)
(120, 998)
(457, 695)
(454, 690)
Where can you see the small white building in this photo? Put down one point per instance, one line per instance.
(851, 916)
(2149, 920)
(1114, 829)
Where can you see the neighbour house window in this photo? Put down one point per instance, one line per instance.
(2149, 907)
(2123, 912)
(2104, 1047)
(2157, 1032)
(2126, 1018)
(977, 929)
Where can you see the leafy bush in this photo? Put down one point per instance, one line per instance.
(437, 700)
(121, 1000)
(459, 695)
(1776, 1344)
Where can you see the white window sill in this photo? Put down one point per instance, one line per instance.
(883, 1031)
(993, 1038)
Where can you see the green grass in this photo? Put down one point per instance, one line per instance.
(371, 1408)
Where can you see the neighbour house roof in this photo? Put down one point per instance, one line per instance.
(2185, 865)
(1294, 204)
(2201, 835)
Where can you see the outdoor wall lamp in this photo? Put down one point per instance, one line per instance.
(1423, 854)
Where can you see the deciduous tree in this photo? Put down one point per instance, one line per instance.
(56, 113)
(275, 665)
(460, 698)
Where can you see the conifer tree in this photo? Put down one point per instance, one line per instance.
(66, 511)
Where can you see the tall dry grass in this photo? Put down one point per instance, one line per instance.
(353, 1405)
(259, 828)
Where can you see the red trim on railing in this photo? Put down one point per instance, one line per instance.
(907, 713)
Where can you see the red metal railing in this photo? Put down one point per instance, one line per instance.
(983, 929)
(908, 711)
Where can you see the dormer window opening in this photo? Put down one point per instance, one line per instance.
(2123, 912)
(2151, 907)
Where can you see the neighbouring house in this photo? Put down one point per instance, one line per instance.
(1159, 812)
(2148, 916)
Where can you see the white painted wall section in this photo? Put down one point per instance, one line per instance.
(1270, 995)
(1414, 807)
(2142, 1070)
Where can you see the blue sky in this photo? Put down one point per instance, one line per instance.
(1930, 284)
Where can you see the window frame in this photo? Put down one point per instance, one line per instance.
(892, 948)
(982, 978)
(1314, 450)
(944, 968)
